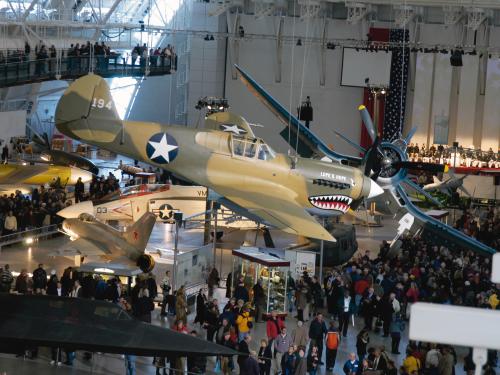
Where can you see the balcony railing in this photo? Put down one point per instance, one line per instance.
(13, 73)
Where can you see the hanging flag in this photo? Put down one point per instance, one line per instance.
(395, 102)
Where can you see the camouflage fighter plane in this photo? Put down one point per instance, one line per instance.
(91, 237)
(243, 170)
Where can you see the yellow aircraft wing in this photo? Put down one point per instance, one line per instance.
(281, 211)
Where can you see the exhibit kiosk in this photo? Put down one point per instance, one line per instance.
(254, 263)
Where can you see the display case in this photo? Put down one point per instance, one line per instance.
(252, 264)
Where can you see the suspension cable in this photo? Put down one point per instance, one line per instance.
(306, 51)
(291, 82)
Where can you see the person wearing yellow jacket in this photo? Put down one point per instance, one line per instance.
(411, 363)
(244, 324)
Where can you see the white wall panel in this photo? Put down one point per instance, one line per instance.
(441, 93)
(422, 97)
(467, 100)
(335, 106)
(491, 116)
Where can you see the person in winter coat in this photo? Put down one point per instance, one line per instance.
(362, 340)
(317, 332)
(300, 335)
(22, 283)
(288, 362)
(39, 280)
(273, 326)
(241, 292)
(313, 360)
(201, 307)
(301, 362)
(346, 310)
(244, 323)
(264, 358)
(250, 366)
(332, 342)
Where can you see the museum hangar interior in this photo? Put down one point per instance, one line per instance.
(249, 187)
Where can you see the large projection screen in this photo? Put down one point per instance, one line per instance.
(359, 65)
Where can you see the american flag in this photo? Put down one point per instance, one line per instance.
(395, 101)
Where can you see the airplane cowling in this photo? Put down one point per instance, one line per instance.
(146, 263)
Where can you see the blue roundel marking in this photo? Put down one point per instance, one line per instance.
(162, 148)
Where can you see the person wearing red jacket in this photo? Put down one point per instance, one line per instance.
(274, 326)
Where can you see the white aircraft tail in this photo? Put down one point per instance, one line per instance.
(436, 180)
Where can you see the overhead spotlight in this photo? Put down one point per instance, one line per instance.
(383, 92)
(299, 42)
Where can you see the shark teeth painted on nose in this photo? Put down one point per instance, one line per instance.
(331, 202)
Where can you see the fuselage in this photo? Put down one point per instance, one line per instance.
(222, 160)
(107, 238)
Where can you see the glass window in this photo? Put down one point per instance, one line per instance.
(251, 149)
(265, 153)
(238, 147)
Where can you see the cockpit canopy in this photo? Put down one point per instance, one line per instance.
(86, 217)
(251, 148)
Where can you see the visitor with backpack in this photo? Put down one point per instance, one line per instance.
(332, 344)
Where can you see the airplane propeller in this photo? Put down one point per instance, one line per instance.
(387, 159)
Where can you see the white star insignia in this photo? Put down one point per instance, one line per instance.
(233, 129)
(162, 148)
(165, 212)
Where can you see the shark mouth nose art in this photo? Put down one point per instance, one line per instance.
(331, 202)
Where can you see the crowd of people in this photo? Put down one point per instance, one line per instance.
(484, 227)
(78, 57)
(459, 157)
(375, 294)
(19, 212)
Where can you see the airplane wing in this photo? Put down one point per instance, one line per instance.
(281, 211)
(15, 173)
(309, 143)
(464, 190)
(80, 247)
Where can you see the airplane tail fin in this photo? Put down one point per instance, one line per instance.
(87, 111)
(138, 234)
(436, 180)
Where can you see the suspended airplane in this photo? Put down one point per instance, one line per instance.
(448, 185)
(249, 177)
(384, 162)
(91, 238)
(130, 203)
(41, 144)
(85, 324)
(13, 175)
